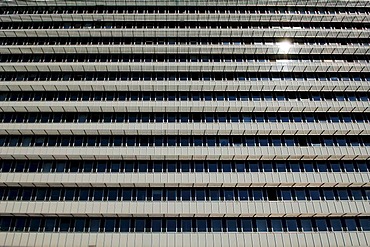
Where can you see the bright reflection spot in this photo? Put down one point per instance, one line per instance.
(284, 46)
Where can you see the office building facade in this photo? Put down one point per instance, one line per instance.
(184, 123)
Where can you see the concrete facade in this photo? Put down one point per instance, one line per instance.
(299, 144)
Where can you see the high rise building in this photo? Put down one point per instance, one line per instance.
(185, 123)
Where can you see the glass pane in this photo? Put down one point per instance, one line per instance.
(216, 225)
(350, 224)
(257, 194)
(171, 225)
(50, 224)
(277, 225)
(156, 225)
(64, 224)
(186, 225)
(94, 225)
(246, 225)
(201, 225)
(171, 194)
(328, 194)
(214, 194)
(306, 225)
(157, 194)
(35, 224)
(261, 225)
(5, 224)
(314, 194)
(336, 224)
(186, 194)
(200, 195)
(291, 225)
(229, 195)
(321, 225)
(231, 225)
(124, 225)
(20, 224)
(243, 194)
(365, 224)
(139, 225)
(109, 225)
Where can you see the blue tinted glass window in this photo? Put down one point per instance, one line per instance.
(94, 225)
(246, 225)
(261, 225)
(50, 224)
(308, 167)
(350, 224)
(115, 166)
(139, 225)
(291, 225)
(64, 224)
(281, 167)
(12, 193)
(200, 194)
(267, 167)
(20, 224)
(201, 225)
(186, 225)
(171, 225)
(226, 167)
(98, 194)
(240, 167)
(84, 194)
(336, 224)
(214, 194)
(5, 224)
(141, 194)
(231, 225)
(243, 194)
(286, 194)
(322, 167)
(129, 167)
(348, 167)
(229, 194)
(254, 167)
(343, 194)
(156, 225)
(306, 225)
(314, 194)
(321, 225)
(112, 194)
(216, 225)
(199, 167)
(171, 167)
(185, 166)
(109, 225)
(35, 224)
(328, 194)
(212, 167)
(157, 194)
(171, 194)
(276, 225)
(186, 194)
(357, 194)
(257, 194)
(126, 194)
(365, 224)
(124, 225)
(362, 167)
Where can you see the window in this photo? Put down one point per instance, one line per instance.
(201, 225)
(261, 225)
(231, 225)
(156, 225)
